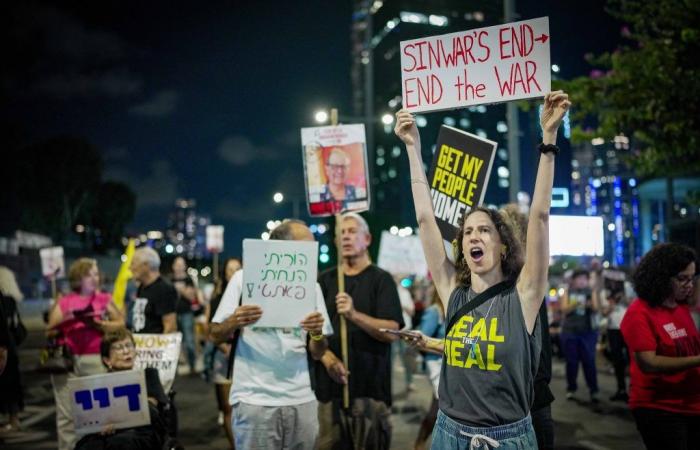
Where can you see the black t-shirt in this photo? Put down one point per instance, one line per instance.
(151, 304)
(184, 304)
(578, 320)
(543, 394)
(374, 293)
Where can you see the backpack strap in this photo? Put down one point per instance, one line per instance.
(479, 300)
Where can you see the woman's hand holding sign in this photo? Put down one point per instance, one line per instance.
(406, 128)
(555, 106)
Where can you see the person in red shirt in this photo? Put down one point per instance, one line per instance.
(665, 345)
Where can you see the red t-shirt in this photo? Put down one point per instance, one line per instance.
(668, 332)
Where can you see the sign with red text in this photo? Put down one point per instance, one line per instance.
(280, 277)
(335, 169)
(52, 262)
(486, 65)
(458, 176)
(215, 238)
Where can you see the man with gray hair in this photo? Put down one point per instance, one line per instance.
(273, 403)
(370, 302)
(154, 306)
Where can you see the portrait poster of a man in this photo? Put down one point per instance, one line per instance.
(335, 167)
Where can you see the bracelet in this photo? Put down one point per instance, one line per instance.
(316, 337)
(548, 148)
(415, 180)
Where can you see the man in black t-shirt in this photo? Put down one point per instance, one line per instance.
(154, 306)
(370, 302)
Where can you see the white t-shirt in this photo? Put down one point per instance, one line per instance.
(270, 367)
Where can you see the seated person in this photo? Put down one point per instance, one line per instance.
(118, 351)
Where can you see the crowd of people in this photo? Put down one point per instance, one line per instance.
(485, 325)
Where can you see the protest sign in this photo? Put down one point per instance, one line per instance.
(335, 169)
(215, 238)
(458, 176)
(486, 65)
(280, 277)
(52, 262)
(160, 351)
(402, 255)
(117, 398)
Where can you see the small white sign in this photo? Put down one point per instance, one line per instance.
(160, 351)
(52, 262)
(486, 65)
(576, 235)
(215, 238)
(402, 255)
(117, 398)
(280, 277)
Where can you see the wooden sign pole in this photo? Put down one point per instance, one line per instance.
(341, 288)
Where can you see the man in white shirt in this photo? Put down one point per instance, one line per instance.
(273, 403)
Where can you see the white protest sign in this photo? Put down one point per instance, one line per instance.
(160, 351)
(52, 262)
(280, 277)
(486, 65)
(117, 398)
(215, 238)
(402, 255)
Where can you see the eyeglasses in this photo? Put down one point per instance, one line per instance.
(128, 347)
(342, 167)
(685, 279)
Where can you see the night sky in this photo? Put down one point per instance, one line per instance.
(206, 100)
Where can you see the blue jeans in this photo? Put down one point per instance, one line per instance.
(185, 324)
(580, 347)
(449, 434)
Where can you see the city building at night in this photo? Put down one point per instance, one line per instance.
(186, 231)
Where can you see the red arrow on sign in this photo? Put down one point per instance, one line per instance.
(542, 38)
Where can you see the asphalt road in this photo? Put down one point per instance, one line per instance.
(578, 424)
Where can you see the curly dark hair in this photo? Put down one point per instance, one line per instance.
(652, 279)
(510, 264)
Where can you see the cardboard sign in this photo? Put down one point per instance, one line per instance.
(117, 398)
(402, 255)
(486, 65)
(458, 176)
(215, 238)
(280, 277)
(52, 262)
(335, 169)
(160, 351)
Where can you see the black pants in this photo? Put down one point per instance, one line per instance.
(544, 427)
(663, 430)
(618, 357)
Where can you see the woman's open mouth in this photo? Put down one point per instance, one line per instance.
(476, 254)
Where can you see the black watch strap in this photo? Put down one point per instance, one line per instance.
(548, 148)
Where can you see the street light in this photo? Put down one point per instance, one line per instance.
(321, 116)
(278, 197)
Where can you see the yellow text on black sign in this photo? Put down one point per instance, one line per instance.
(454, 183)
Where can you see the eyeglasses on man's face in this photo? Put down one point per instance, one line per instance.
(339, 167)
